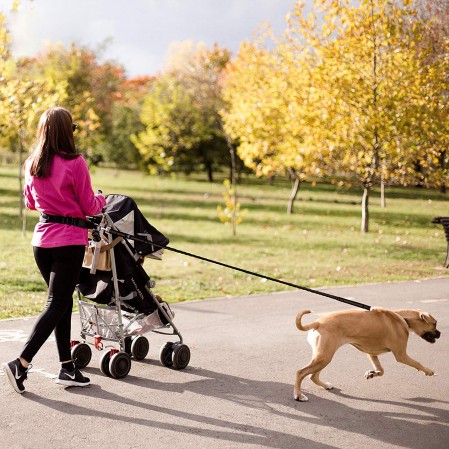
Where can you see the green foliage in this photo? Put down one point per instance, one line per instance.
(231, 213)
(356, 91)
(125, 121)
(88, 91)
(22, 97)
(173, 126)
(350, 90)
(4, 43)
(180, 113)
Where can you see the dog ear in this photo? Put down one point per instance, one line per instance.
(427, 318)
(409, 314)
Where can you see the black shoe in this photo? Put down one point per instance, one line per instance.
(72, 378)
(16, 376)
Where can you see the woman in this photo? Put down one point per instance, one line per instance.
(58, 185)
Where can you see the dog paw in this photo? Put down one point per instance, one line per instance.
(300, 398)
(371, 374)
(429, 372)
(328, 386)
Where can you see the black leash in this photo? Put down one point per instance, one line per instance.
(328, 295)
(252, 273)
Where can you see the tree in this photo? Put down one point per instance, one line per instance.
(90, 88)
(231, 212)
(173, 127)
(22, 100)
(5, 59)
(364, 64)
(434, 45)
(180, 113)
(4, 43)
(267, 94)
(126, 110)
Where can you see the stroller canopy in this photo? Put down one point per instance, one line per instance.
(98, 287)
(127, 218)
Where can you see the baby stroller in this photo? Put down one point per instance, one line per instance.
(116, 302)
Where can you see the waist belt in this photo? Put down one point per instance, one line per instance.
(79, 222)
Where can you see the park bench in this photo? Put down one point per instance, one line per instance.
(445, 222)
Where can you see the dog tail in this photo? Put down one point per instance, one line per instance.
(307, 327)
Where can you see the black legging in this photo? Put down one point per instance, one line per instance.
(60, 268)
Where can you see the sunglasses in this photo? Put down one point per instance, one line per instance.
(74, 126)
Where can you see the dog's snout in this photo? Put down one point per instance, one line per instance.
(431, 336)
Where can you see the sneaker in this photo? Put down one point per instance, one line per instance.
(72, 378)
(12, 373)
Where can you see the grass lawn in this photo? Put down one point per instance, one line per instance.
(320, 245)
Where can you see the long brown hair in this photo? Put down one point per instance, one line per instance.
(54, 136)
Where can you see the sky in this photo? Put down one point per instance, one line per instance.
(139, 32)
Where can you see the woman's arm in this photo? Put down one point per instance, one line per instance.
(29, 199)
(90, 203)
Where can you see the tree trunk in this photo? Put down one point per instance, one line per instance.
(293, 193)
(20, 177)
(210, 173)
(383, 201)
(22, 210)
(443, 169)
(365, 210)
(233, 176)
(234, 189)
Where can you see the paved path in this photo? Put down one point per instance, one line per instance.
(237, 390)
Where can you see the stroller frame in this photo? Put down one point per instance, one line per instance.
(106, 323)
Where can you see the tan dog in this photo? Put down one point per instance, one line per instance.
(374, 332)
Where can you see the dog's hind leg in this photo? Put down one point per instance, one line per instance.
(378, 370)
(297, 395)
(313, 369)
(320, 347)
(315, 378)
(317, 364)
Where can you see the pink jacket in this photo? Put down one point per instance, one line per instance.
(66, 192)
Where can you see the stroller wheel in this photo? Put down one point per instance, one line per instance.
(119, 365)
(140, 347)
(104, 363)
(181, 356)
(81, 355)
(165, 356)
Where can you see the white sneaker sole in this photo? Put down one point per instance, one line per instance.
(71, 383)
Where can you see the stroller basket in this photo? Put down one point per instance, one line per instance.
(103, 321)
(116, 303)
